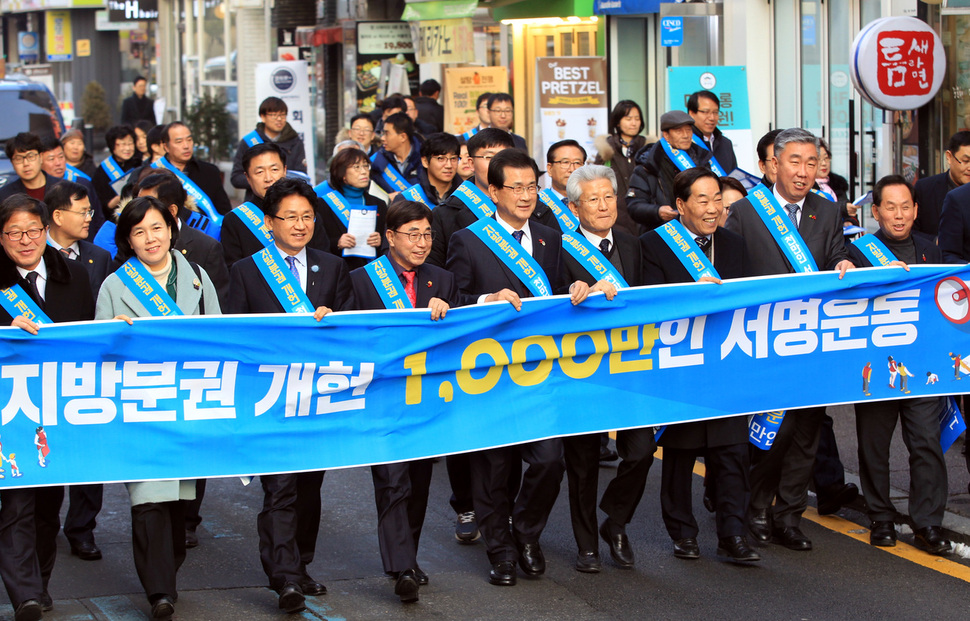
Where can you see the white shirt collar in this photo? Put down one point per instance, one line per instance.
(784, 201)
(75, 246)
(596, 239)
(527, 232)
(41, 270)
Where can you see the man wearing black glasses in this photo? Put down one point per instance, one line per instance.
(23, 151)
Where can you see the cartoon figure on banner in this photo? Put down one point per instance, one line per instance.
(932, 378)
(893, 372)
(959, 366)
(40, 441)
(14, 470)
(2, 459)
(866, 376)
(904, 376)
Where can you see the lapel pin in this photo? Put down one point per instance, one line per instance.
(542, 241)
(314, 269)
(184, 251)
(90, 260)
(196, 284)
(812, 216)
(429, 283)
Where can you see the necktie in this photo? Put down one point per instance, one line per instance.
(704, 243)
(409, 287)
(792, 211)
(291, 261)
(68, 252)
(518, 236)
(32, 289)
(605, 248)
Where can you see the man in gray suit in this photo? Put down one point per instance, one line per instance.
(783, 473)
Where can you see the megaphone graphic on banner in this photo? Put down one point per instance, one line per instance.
(953, 299)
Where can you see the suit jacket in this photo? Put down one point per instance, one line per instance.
(820, 226)
(723, 149)
(331, 228)
(207, 252)
(68, 293)
(929, 195)
(519, 142)
(429, 282)
(328, 286)
(448, 217)
(430, 111)
(954, 234)
(238, 242)
(628, 248)
(927, 252)
(209, 179)
(652, 182)
(543, 215)
(97, 262)
(16, 186)
(478, 271)
(661, 266)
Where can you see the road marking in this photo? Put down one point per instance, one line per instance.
(321, 610)
(118, 608)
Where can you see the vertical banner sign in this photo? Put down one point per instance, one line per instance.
(377, 42)
(444, 40)
(672, 31)
(572, 100)
(730, 84)
(28, 47)
(462, 88)
(290, 82)
(59, 41)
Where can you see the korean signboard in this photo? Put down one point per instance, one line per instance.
(444, 40)
(60, 44)
(462, 89)
(377, 42)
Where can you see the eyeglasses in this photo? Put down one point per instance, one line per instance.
(414, 236)
(17, 235)
(87, 213)
(55, 157)
(964, 162)
(487, 158)
(711, 112)
(519, 190)
(362, 130)
(500, 111)
(292, 220)
(444, 159)
(568, 163)
(30, 157)
(359, 167)
(595, 201)
(275, 115)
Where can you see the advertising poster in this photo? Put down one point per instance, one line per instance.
(572, 100)
(28, 47)
(377, 42)
(462, 88)
(289, 81)
(60, 42)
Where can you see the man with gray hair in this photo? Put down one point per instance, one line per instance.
(782, 474)
(606, 258)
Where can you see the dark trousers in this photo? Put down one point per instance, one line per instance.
(460, 477)
(875, 424)
(401, 494)
(622, 496)
(784, 472)
(191, 508)
(29, 522)
(727, 467)
(828, 472)
(158, 544)
(82, 512)
(529, 509)
(288, 525)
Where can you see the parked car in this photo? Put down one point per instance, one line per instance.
(27, 107)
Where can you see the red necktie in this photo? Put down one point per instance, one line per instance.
(409, 288)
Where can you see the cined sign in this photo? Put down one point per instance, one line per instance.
(132, 10)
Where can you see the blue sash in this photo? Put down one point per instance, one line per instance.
(682, 243)
(480, 205)
(111, 168)
(391, 175)
(778, 223)
(323, 188)
(201, 222)
(874, 250)
(592, 260)
(200, 197)
(16, 302)
(252, 217)
(511, 253)
(252, 139)
(416, 193)
(72, 174)
(951, 423)
(824, 195)
(388, 286)
(567, 221)
(764, 427)
(680, 158)
(335, 201)
(715, 165)
(155, 299)
(282, 281)
(471, 132)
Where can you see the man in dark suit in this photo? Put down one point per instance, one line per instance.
(54, 163)
(429, 110)
(501, 112)
(263, 165)
(23, 151)
(179, 145)
(931, 191)
(290, 519)
(592, 198)
(895, 211)
(723, 442)
(705, 108)
(562, 158)
(401, 489)
(483, 277)
(30, 517)
(783, 473)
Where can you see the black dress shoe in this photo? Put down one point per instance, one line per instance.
(291, 598)
(708, 502)
(311, 587)
(86, 551)
(29, 610)
(930, 539)
(792, 538)
(687, 548)
(588, 562)
(882, 534)
(421, 576)
(619, 544)
(406, 586)
(502, 574)
(760, 525)
(191, 539)
(531, 559)
(834, 498)
(736, 549)
(608, 454)
(163, 608)
(46, 601)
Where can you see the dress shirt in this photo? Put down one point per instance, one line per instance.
(74, 248)
(596, 239)
(301, 266)
(784, 201)
(41, 270)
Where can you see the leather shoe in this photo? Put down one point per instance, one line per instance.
(531, 559)
(163, 608)
(421, 577)
(834, 498)
(46, 601)
(311, 587)
(406, 587)
(29, 610)
(291, 598)
(502, 574)
(930, 539)
(86, 551)
(687, 548)
(792, 538)
(736, 548)
(588, 562)
(608, 454)
(882, 534)
(191, 539)
(760, 525)
(708, 502)
(619, 544)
